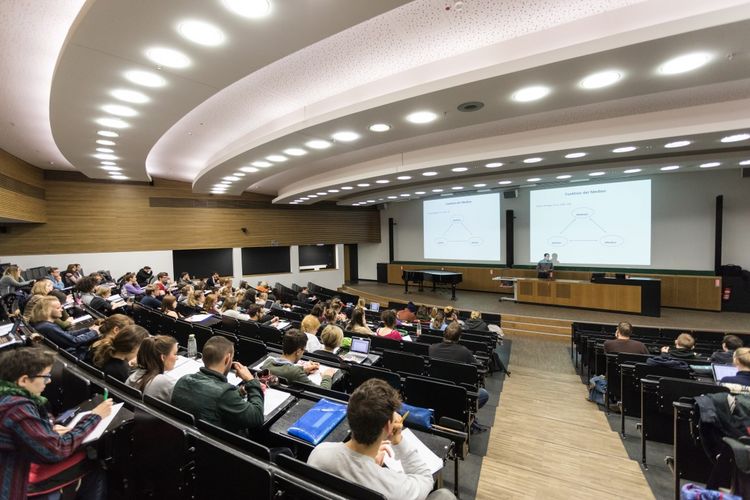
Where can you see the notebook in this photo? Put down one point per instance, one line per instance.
(721, 371)
(318, 421)
(359, 350)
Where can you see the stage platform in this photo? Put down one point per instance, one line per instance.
(490, 302)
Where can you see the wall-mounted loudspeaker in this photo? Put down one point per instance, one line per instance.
(510, 194)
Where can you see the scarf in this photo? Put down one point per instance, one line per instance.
(11, 389)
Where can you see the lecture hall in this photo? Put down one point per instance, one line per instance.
(392, 249)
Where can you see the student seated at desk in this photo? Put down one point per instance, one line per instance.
(46, 311)
(12, 280)
(332, 336)
(169, 306)
(375, 427)
(388, 317)
(149, 298)
(130, 287)
(357, 324)
(408, 313)
(27, 435)
(728, 345)
(742, 362)
(286, 366)
(208, 395)
(476, 323)
(255, 312)
(310, 326)
(114, 354)
(683, 349)
(622, 341)
(156, 355)
(229, 309)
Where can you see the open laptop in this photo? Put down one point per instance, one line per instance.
(375, 306)
(721, 371)
(358, 351)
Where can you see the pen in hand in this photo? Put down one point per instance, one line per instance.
(106, 394)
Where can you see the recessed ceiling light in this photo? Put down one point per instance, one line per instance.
(112, 122)
(670, 167)
(119, 110)
(231, 178)
(111, 169)
(145, 78)
(311, 196)
(322, 193)
(108, 133)
(596, 174)
(480, 185)
(169, 58)
(108, 163)
(380, 127)
(345, 136)
(735, 138)
(105, 142)
(333, 190)
(459, 169)
(304, 198)
(579, 154)
(118, 177)
(419, 192)
(226, 183)
(601, 79)
(249, 8)
(238, 174)
(503, 183)
(710, 164)
(105, 150)
(403, 177)
(624, 149)
(363, 185)
(535, 159)
(318, 144)
(370, 201)
(745, 162)
(261, 164)
(677, 144)
(217, 191)
(632, 171)
(420, 117)
(494, 164)
(295, 152)
(105, 156)
(346, 188)
(563, 177)
(438, 190)
(382, 181)
(276, 158)
(132, 96)
(532, 93)
(219, 186)
(534, 179)
(404, 195)
(392, 197)
(684, 63)
(249, 170)
(429, 174)
(201, 32)
(457, 187)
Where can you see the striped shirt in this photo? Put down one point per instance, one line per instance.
(26, 436)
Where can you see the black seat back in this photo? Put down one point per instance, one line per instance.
(123, 387)
(170, 410)
(416, 348)
(229, 324)
(381, 343)
(403, 362)
(249, 351)
(460, 373)
(448, 400)
(221, 472)
(359, 374)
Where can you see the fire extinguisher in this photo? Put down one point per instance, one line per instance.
(727, 293)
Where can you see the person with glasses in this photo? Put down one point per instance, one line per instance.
(26, 433)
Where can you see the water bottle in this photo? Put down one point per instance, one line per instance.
(419, 328)
(192, 347)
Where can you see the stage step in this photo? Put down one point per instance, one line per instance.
(529, 325)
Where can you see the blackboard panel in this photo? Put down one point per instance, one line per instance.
(266, 260)
(317, 255)
(203, 263)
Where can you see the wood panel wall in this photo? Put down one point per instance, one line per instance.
(90, 216)
(21, 190)
(688, 292)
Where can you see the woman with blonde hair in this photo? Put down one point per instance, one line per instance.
(43, 317)
(309, 326)
(229, 308)
(114, 354)
(331, 337)
(12, 281)
(358, 324)
(210, 304)
(741, 360)
(476, 323)
(40, 289)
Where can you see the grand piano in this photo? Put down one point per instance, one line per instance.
(435, 276)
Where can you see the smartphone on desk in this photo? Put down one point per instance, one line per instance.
(65, 417)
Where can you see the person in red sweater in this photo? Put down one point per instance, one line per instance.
(26, 433)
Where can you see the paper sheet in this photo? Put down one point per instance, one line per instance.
(185, 366)
(272, 399)
(434, 462)
(79, 319)
(100, 427)
(196, 318)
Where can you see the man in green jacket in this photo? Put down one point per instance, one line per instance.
(208, 395)
(286, 366)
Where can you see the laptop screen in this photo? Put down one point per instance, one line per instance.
(375, 307)
(721, 371)
(359, 345)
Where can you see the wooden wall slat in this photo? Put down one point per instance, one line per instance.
(22, 193)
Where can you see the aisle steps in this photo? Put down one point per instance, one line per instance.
(529, 325)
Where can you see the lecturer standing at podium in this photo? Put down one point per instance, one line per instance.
(544, 267)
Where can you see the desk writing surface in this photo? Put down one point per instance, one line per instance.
(337, 435)
(314, 377)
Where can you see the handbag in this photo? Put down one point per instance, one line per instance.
(418, 416)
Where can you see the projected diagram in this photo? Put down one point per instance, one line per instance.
(584, 228)
(457, 232)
